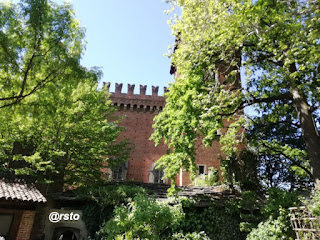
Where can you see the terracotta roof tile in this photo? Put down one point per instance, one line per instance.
(19, 189)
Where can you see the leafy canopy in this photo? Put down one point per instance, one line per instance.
(275, 45)
(40, 42)
(55, 124)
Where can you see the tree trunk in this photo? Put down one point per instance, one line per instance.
(309, 132)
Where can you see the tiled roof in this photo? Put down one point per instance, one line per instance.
(159, 191)
(19, 190)
(215, 192)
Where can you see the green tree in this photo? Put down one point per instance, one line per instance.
(62, 133)
(40, 42)
(274, 167)
(276, 43)
(54, 123)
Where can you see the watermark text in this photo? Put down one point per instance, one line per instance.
(55, 217)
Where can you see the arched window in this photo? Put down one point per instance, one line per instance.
(135, 107)
(156, 175)
(119, 172)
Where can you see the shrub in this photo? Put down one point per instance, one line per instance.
(314, 204)
(94, 215)
(190, 236)
(276, 225)
(249, 205)
(273, 229)
(102, 201)
(144, 218)
(220, 220)
(278, 199)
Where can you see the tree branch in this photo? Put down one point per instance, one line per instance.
(9, 55)
(291, 159)
(18, 98)
(254, 100)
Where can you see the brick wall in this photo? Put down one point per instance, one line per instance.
(25, 226)
(138, 111)
(209, 157)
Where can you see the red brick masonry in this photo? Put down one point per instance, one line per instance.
(138, 111)
(26, 224)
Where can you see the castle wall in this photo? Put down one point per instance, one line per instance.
(138, 111)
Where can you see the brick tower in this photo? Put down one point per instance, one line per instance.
(138, 111)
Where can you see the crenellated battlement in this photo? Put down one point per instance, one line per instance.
(143, 89)
(137, 102)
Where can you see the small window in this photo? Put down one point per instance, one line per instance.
(119, 172)
(219, 133)
(201, 169)
(158, 175)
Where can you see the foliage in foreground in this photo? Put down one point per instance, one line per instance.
(175, 236)
(220, 220)
(314, 203)
(61, 134)
(143, 218)
(137, 216)
(190, 236)
(211, 179)
(102, 201)
(275, 222)
(273, 229)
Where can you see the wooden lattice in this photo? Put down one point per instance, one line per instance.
(305, 225)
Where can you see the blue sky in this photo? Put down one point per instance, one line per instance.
(128, 39)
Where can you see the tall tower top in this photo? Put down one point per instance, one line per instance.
(141, 101)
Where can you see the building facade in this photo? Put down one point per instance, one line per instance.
(138, 112)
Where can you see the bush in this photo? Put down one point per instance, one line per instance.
(278, 199)
(220, 220)
(94, 215)
(190, 236)
(102, 201)
(250, 205)
(143, 218)
(273, 229)
(314, 204)
(276, 225)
